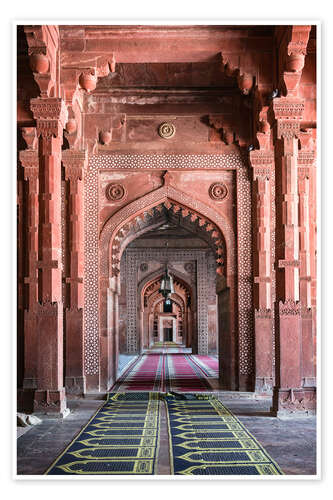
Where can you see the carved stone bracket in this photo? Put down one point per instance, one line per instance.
(51, 115)
(289, 308)
(43, 45)
(75, 163)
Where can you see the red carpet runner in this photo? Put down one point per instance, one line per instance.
(169, 372)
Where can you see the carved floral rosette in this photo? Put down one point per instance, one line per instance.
(218, 191)
(115, 192)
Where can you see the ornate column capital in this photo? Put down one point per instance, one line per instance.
(29, 160)
(51, 116)
(262, 163)
(74, 162)
(287, 113)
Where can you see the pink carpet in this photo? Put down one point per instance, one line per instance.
(164, 372)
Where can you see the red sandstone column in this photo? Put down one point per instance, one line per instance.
(304, 188)
(112, 369)
(51, 116)
(262, 163)
(29, 161)
(75, 163)
(288, 114)
(113, 329)
(116, 328)
(109, 327)
(106, 348)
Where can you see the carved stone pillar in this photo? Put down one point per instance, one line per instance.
(262, 163)
(305, 176)
(113, 327)
(288, 394)
(106, 350)
(49, 397)
(29, 161)
(74, 163)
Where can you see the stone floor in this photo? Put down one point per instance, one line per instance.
(290, 442)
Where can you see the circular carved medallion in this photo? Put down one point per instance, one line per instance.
(144, 267)
(218, 191)
(189, 267)
(115, 192)
(166, 130)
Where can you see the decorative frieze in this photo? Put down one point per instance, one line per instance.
(167, 161)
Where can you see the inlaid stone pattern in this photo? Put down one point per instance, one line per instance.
(63, 239)
(202, 304)
(91, 323)
(131, 302)
(244, 247)
(211, 274)
(166, 161)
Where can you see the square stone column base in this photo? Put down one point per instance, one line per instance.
(75, 385)
(50, 402)
(294, 402)
(43, 402)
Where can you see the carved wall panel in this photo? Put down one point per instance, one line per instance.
(95, 260)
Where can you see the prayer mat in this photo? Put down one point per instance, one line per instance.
(207, 439)
(121, 438)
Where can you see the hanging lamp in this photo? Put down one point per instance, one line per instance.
(166, 288)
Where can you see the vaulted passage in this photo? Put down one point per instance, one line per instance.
(166, 224)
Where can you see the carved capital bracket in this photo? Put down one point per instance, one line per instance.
(51, 115)
(262, 163)
(306, 158)
(289, 308)
(287, 114)
(75, 163)
(29, 135)
(285, 108)
(293, 52)
(29, 160)
(43, 46)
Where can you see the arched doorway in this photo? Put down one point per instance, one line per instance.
(153, 307)
(149, 214)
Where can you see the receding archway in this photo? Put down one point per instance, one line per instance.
(138, 218)
(151, 305)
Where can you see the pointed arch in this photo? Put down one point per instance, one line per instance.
(147, 280)
(166, 194)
